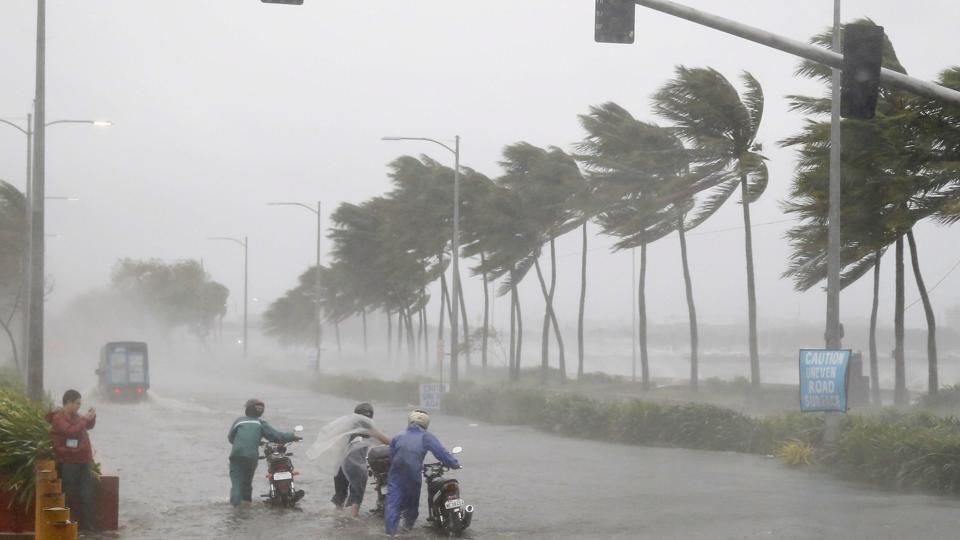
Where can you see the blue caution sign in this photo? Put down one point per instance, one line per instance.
(431, 394)
(823, 379)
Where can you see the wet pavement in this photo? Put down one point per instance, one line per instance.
(171, 455)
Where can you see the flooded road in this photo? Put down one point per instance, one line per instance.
(171, 455)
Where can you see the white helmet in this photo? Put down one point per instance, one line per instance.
(419, 417)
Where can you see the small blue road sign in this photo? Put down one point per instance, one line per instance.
(823, 379)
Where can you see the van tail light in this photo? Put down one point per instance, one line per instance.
(139, 389)
(116, 391)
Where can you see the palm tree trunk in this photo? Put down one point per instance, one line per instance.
(513, 326)
(933, 383)
(486, 315)
(443, 307)
(336, 330)
(400, 322)
(751, 287)
(466, 325)
(363, 316)
(519, 336)
(389, 336)
(642, 317)
(874, 364)
(583, 301)
(899, 371)
(411, 340)
(553, 313)
(691, 307)
(13, 344)
(545, 332)
(550, 317)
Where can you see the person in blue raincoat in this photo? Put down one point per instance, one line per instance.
(245, 435)
(407, 451)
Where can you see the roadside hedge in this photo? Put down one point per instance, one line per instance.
(911, 450)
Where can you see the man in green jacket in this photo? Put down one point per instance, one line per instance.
(245, 435)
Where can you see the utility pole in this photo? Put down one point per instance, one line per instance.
(832, 333)
(36, 224)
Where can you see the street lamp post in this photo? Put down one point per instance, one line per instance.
(454, 369)
(318, 331)
(246, 244)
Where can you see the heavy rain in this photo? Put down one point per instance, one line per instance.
(620, 269)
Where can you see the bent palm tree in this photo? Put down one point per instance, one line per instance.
(721, 127)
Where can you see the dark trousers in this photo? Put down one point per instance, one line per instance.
(79, 489)
(241, 479)
(349, 485)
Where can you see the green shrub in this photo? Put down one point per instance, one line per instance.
(913, 451)
(891, 448)
(24, 438)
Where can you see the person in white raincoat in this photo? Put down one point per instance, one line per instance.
(347, 439)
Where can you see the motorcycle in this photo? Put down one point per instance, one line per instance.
(378, 465)
(447, 510)
(280, 473)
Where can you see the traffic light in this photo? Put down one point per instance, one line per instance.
(291, 2)
(860, 78)
(614, 21)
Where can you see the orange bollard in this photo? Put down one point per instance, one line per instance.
(53, 500)
(46, 464)
(57, 514)
(44, 487)
(62, 530)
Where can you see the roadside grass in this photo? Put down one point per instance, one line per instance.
(909, 450)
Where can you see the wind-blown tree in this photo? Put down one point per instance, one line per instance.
(632, 167)
(637, 159)
(480, 221)
(372, 250)
(422, 199)
(720, 127)
(176, 294)
(509, 238)
(890, 177)
(940, 124)
(13, 240)
(291, 318)
(547, 182)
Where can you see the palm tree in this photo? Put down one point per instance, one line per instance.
(548, 182)
(631, 161)
(890, 167)
(13, 235)
(721, 127)
(480, 221)
(633, 167)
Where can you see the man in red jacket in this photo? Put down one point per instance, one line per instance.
(71, 445)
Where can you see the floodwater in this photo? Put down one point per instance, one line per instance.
(171, 455)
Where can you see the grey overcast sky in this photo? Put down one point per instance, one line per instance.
(220, 106)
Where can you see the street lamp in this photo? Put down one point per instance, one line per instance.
(318, 336)
(28, 132)
(454, 373)
(245, 243)
(33, 267)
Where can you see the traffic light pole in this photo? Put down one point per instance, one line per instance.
(832, 334)
(798, 48)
